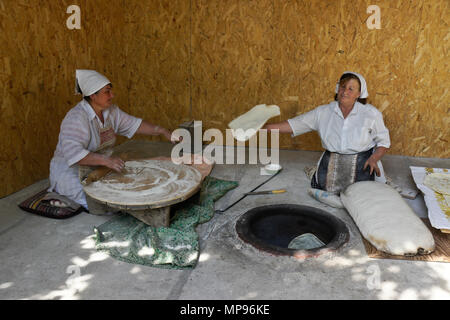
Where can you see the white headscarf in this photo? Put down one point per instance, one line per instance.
(89, 81)
(364, 92)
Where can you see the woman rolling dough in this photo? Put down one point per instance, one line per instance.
(88, 133)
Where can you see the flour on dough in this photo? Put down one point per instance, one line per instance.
(439, 182)
(145, 182)
(246, 125)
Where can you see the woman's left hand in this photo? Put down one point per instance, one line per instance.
(372, 163)
(171, 137)
(152, 130)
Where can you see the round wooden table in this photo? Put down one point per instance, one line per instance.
(146, 189)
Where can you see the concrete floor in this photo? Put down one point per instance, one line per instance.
(43, 258)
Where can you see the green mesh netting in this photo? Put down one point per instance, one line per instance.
(176, 247)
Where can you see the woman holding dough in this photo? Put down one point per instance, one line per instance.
(353, 134)
(88, 133)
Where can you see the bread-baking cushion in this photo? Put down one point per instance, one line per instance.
(386, 220)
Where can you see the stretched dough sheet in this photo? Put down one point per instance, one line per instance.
(438, 209)
(439, 182)
(245, 126)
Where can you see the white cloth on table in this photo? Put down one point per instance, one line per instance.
(79, 135)
(362, 130)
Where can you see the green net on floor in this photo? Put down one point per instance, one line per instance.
(175, 247)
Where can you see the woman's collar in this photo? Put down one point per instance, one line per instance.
(355, 109)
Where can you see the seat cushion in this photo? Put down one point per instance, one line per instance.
(40, 204)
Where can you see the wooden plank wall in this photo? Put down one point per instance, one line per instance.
(211, 60)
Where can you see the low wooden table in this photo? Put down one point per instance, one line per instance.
(146, 189)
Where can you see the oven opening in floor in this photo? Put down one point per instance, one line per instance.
(292, 230)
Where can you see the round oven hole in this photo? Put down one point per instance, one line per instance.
(292, 230)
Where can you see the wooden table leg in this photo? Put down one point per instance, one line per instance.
(97, 208)
(159, 217)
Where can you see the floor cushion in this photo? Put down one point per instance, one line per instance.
(41, 204)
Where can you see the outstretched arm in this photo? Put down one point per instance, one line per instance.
(146, 128)
(284, 127)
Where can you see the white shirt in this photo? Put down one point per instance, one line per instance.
(79, 135)
(360, 131)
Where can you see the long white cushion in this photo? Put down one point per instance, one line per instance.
(386, 220)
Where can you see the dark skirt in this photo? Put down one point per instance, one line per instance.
(337, 171)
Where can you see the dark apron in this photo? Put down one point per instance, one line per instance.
(337, 171)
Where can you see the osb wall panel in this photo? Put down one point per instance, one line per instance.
(333, 37)
(428, 108)
(232, 59)
(413, 97)
(141, 46)
(211, 60)
(291, 53)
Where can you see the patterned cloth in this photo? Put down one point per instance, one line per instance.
(176, 247)
(337, 171)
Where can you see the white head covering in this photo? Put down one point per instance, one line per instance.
(364, 92)
(89, 81)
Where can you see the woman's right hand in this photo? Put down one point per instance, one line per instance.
(115, 163)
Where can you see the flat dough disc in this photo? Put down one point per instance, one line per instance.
(153, 183)
(245, 126)
(438, 181)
